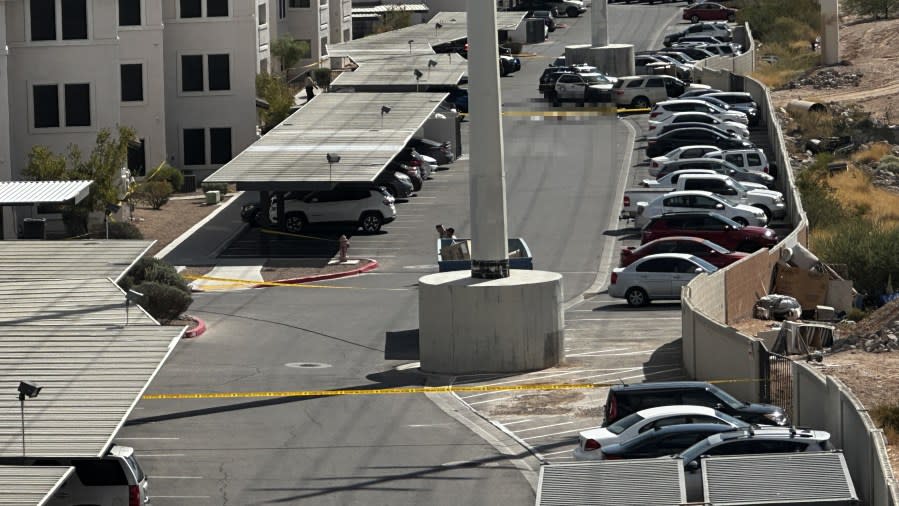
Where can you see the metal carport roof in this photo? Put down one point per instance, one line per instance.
(397, 71)
(293, 154)
(814, 478)
(659, 482)
(16, 193)
(453, 27)
(30, 486)
(92, 367)
(34, 260)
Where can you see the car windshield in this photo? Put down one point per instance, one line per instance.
(726, 397)
(715, 247)
(705, 265)
(595, 79)
(736, 422)
(736, 226)
(715, 101)
(622, 425)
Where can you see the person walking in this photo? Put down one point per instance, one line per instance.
(310, 85)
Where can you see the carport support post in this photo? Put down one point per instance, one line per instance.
(599, 22)
(487, 185)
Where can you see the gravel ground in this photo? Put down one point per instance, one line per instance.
(176, 217)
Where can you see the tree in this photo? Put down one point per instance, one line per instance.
(394, 20)
(103, 166)
(280, 99)
(289, 51)
(876, 8)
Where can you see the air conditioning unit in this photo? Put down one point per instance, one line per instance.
(802, 338)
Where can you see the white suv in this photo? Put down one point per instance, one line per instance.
(751, 159)
(367, 208)
(643, 91)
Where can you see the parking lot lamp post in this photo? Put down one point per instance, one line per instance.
(332, 159)
(385, 109)
(30, 390)
(431, 64)
(417, 73)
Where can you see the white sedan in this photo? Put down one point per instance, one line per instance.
(681, 153)
(656, 277)
(631, 426)
(700, 117)
(696, 200)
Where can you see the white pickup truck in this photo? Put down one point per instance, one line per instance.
(769, 201)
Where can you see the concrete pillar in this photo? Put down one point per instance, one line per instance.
(577, 54)
(614, 59)
(830, 25)
(7, 222)
(487, 180)
(599, 17)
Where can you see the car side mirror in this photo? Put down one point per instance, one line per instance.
(698, 270)
(719, 406)
(692, 466)
(719, 206)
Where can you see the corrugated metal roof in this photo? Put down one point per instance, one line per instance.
(800, 478)
(398, 70)
(383, 8)
(35, 260)
(348, 124)
(659, 482)
(14, 193)
(92, 376)
(425, 35)
(28, 485)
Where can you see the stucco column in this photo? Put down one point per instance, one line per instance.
(490, 258)
(6, 215)
(599, 21)
(830, 25)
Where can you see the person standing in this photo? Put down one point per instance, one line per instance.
(310, 85)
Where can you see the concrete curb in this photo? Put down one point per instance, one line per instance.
(197, 331)
(372, 265)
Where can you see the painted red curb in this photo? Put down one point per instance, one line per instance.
(371, 265)
(197, 331)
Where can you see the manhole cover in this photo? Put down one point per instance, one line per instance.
(308, 365)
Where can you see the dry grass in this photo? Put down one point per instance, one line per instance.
(792, 61)
(887, 416)
(873, 153)
(855, 191)
(815, 125)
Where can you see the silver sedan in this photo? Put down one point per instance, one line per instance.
(656, 277)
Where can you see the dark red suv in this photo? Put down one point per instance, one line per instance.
(707, 11)
(711, 226)
(705, 249)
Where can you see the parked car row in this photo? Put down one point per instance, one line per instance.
(368, 208)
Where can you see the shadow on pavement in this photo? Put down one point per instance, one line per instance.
(665, 363)
(401, 345)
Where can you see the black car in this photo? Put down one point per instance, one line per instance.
(548, 19)
(663, 441)
(440, 151)
(549, 77)
(749, 108)
(664, 143)
(626, 399)
(677, 125)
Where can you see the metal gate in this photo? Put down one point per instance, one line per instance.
(776, 380)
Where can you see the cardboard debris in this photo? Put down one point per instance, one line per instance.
(808, 287)
(456, 251)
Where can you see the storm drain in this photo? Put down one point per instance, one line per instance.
(308, 365)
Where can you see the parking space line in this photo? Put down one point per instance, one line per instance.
(149, 455)
(147, 438)
(552, 434)
(556, 453)
(515, 422)
(600, 351)
(177, 477)
(490, 400)
(545, 426)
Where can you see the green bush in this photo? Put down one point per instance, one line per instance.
(153, 270)
(163, 302)
(322, 77)
(118, 230)
(166, 172)
(776, 20)
(869, 250)
(154, 193)
(222, 187)
(889, 163)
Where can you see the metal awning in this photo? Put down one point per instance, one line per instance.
(815, 478)
(387, 71)
(36, 260)
(453, 27)
(71, 338)
(19, 193)
(293, 154)
(30, 486)
(612, 482)
(385, 8)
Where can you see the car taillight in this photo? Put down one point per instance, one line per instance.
(652, 127)
(654, 164)
(618, 92)
(627, 201)
(591, 444)
(765, 169)
(612, 410)
(614, 277)
(654, 114)
(134, 495)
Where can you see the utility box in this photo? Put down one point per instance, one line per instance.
(213, 197)
(34, 228)
(189, 185)
(536, 30)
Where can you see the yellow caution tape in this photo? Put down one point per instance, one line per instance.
(250, 282)
(288, 234)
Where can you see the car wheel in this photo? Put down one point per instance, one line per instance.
(741, 220)
(371, 222)
(640, 103)
(572, 12)
(766, 211)
(731, 17)
(694, 19)
(294, 222)
(636, 297)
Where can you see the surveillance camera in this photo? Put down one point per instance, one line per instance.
(333, 157)
(132, 297)
(28, 389)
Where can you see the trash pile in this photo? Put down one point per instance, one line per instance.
(878, 342)
(828, 79)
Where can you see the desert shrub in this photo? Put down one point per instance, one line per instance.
(889, 163)
(872, 153)
(156, 271)
(887, 416)
(856, 314)
(816, 124)
(118, 230)
(776, 20)
(166, 172)
(154, 193)
(163, 302)
(322, 77)
(869, 249)
(222, 187)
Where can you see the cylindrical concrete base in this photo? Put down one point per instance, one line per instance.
(614, 59)
(577, 54)
(469, 325)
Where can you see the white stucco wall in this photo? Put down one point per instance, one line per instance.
(5, 166)
(310, 24)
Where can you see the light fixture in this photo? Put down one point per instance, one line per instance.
(332, 159)
(29, 390)
(110, 209)
(384, 110)
(132, 297)
(417, 73)
(410, 45)
(432, 63)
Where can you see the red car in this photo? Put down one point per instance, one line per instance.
(702, 248)
(707, 11)
(711, 226)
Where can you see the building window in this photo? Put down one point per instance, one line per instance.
(219, 145)
(191, 8)
(297, 4)
(129, 13)
(192, 72)
(322, 49)
(43, 19)
(322, 2)
(216, 8)
(74, 19)
(194, 146)
(46, 106)
(78, 105)
(262, 15)
(132, 82)
(282, 9)
(219, 72)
